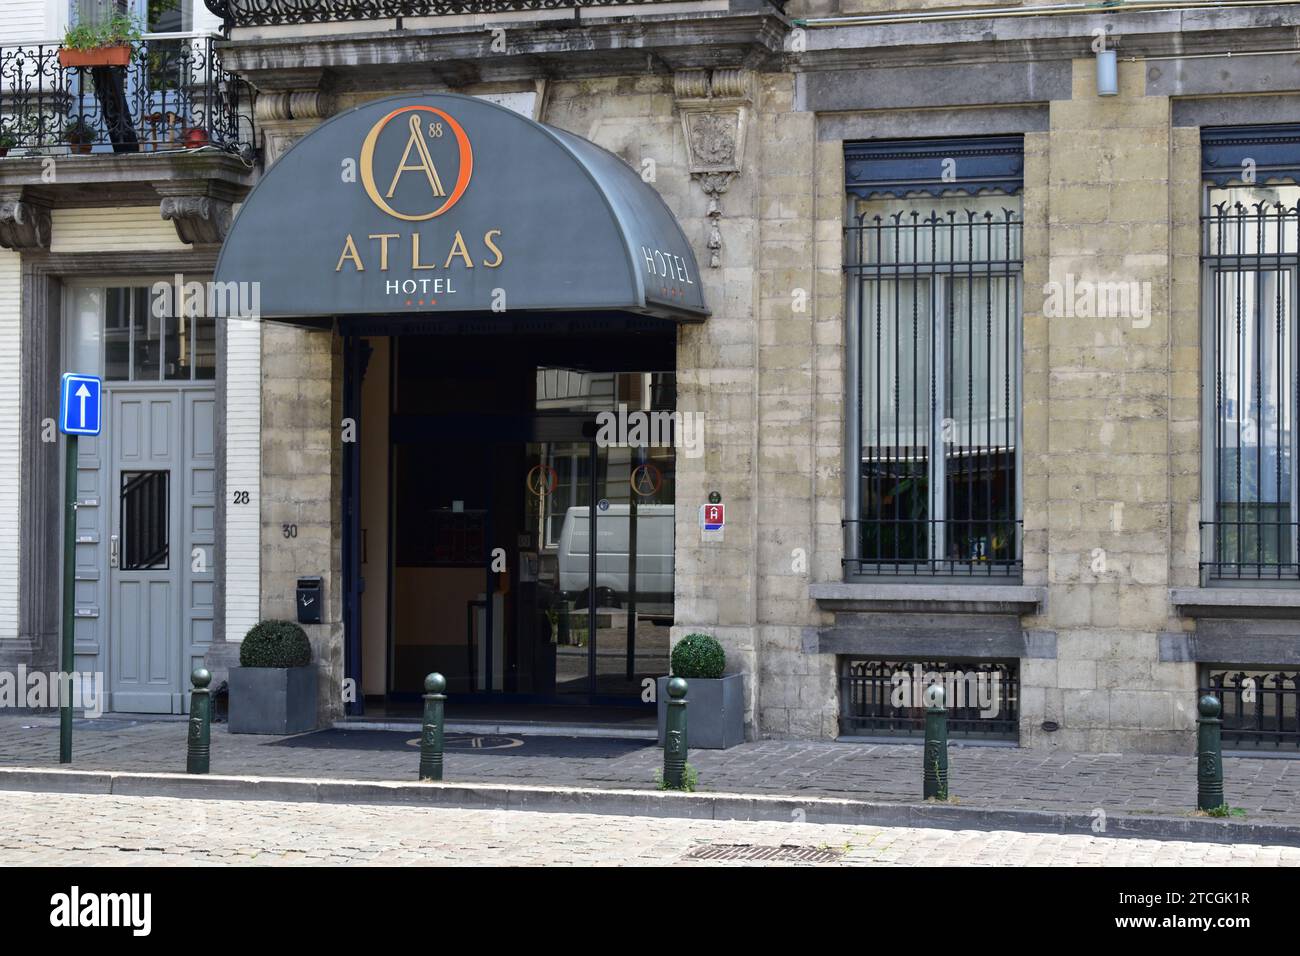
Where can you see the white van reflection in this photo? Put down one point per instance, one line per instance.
(654, 557)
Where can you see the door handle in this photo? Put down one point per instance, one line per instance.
(112, 551)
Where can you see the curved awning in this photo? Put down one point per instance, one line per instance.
(447, 203)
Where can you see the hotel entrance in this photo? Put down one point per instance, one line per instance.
(487, 528)
(480, 470)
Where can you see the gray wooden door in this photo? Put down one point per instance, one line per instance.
(144, 595)
(162, 498)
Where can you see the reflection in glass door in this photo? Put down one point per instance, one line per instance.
(607, 611)
(633, 568)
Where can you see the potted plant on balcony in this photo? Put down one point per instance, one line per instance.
(79, 135)
(715, 704)
(108, 42)
(8, 140)
(273, 691)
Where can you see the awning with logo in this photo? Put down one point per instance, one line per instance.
(442, 203)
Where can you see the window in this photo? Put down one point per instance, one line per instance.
(170, 16)
(96, 11)
(935, 316)
(887, 697)
(140, 346)
(1250, 254)
(156, 16)
(144, 519)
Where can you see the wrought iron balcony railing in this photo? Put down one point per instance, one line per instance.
(173, 94)
(258, 13)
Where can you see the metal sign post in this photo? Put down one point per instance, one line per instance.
(79, 414)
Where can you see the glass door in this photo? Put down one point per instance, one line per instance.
(604, 616)
(633, 572)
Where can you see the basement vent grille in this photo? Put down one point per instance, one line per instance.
(772, 854)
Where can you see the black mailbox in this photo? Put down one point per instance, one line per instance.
(310, 597)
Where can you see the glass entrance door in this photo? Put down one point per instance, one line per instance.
(531, 552)
(607, 608)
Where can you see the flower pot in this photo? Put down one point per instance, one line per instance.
(715, 711)
(81, 149)
(4, 151)
(99, 56)
(272, 700)
(195, 138)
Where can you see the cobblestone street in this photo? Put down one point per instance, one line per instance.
(66, 829)
(1006, 778)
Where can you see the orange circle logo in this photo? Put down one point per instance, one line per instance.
(416, 160)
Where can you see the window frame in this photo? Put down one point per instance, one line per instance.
(1208, 531)
(856, 569)
(103, 284)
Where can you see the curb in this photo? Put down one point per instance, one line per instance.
(651, 803)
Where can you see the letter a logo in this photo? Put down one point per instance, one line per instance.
(416, 158)
(416, 142)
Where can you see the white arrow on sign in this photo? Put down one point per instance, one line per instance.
(83, 393)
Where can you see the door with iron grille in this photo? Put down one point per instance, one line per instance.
(146, 496)
(144, 582)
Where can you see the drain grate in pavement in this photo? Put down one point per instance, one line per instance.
(777, 854)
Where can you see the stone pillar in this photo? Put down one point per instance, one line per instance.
(34, 301)
(302, 489)
(716, 580)
(796, 689)
(302, 473)
(1096, 499)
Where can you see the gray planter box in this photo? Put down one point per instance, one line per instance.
(272, 700)
(715, 711)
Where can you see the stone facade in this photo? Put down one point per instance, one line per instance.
(1109, 621)
(1111, 422)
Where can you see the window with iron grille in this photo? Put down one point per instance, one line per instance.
(145, 507)
(886, 697)
(1250, 253)
(1259, 706)
(933, 272)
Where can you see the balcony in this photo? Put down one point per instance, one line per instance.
(173, 95)
(263, 13)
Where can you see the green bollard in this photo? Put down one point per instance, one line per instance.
(1209, 755)
(431, 736)
(675, 735)
(199, 750)
(934, 778)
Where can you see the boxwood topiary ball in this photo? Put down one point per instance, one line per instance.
(699, 655)
(275, 644)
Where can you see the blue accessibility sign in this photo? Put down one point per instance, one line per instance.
(79, 404)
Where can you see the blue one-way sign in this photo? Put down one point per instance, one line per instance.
(79, 405)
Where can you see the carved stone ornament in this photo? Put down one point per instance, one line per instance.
(24, 226)
(714, 140)
(715, 112)
(201, 220)
(286, 116)
(714, 185)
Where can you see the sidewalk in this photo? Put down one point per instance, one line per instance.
(989, 777)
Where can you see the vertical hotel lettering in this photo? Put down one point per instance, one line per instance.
(416, 250)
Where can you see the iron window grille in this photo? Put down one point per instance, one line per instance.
(935, 308)
(1259, 706)
(1250, 255)
(145, 507)
(885, 697)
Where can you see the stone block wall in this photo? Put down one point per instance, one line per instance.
(302, 488)
(1107, 420)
